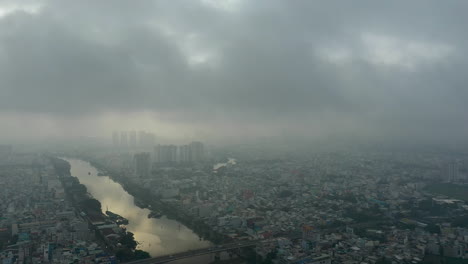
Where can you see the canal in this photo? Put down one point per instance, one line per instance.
(157, 236)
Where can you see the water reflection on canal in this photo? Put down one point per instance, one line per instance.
(156, 236)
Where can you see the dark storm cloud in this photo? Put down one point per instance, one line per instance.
(394, 68)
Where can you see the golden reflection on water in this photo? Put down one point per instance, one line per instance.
(156, 236)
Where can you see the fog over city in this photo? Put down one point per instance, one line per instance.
(233, 131)
(227, 70)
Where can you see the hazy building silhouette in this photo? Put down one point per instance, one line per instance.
(184, 153)
(165, 153)
(142, 164)
(123, 139)
(193, 152)
(452, 172)
(197, 151)
(133, 139)
(115, 139)
(141, 136)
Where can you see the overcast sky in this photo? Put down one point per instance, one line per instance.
(213, 69)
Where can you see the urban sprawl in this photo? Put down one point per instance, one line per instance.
(325, 207)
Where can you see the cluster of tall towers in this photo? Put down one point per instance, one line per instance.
(125, 139)
(193, 152)
(167, 154)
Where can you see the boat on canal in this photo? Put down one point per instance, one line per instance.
(118, 219)
(154, 214)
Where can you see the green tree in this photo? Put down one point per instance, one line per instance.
(128, 240)
(124, 254)
(140, 254)
(92, 205)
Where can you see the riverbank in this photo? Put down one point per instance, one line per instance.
(171, 211)
(158, 236)
(114, 237)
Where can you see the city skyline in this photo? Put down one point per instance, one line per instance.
(132, 139)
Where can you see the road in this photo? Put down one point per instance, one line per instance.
(198, 252)
(215, 249)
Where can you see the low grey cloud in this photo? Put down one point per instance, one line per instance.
(381, 70)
